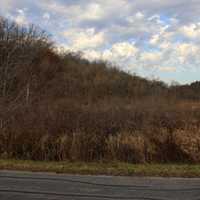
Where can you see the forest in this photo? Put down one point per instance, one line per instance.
(58, 106)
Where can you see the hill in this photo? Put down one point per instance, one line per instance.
(58, 106)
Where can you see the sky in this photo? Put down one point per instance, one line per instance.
(156, 39)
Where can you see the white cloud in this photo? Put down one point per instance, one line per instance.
(117, 53)
(6, 5)
(75, 12)
(192, 31)
(92, 55)
(188, 53)
(139, 15)
(93, 11)
(186, 49)
(154, 39)
(167, 69)
(46, 16)
(120, 53)
(151, 57)
(124, 49)
(21, 18)
(84, 39)
(155, 18)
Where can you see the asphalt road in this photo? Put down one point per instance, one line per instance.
(42, 186)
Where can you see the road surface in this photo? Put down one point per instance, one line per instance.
(43, 186)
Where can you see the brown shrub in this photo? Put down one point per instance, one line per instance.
(87, 147)
(188, 141)
(127, 147)
(63, 146)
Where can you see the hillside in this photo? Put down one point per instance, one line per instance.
(58, 106)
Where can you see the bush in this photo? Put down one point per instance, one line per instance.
(126, 147)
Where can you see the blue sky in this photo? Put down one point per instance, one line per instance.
(153, 38)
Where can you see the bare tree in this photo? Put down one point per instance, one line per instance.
(19, 49)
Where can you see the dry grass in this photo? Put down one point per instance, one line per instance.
(126, 147)
(160, 145)
(189, 143)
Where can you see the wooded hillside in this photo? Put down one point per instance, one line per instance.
(58, 106)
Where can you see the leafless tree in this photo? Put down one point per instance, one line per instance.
(19, 49)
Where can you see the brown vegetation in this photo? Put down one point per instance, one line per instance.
(57, 106)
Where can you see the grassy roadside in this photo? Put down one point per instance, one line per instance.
(164, 170)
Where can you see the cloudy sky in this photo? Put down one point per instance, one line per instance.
(153, 38)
